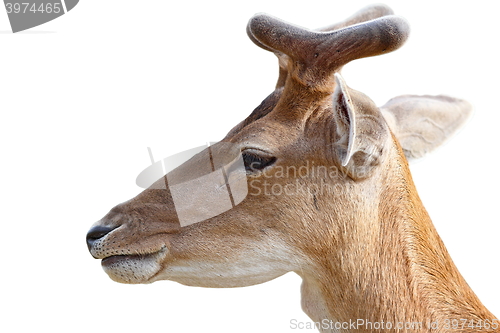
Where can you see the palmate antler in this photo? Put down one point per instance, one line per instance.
(312, 57)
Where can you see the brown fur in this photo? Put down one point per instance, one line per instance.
(366, 249)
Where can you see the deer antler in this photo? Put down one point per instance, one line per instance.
(316, 55)
(366, 14)
(261, 24)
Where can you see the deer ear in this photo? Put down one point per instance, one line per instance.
(360, 130)
(345, 120)
(423, 123)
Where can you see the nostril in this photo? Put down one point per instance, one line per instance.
(95, 233)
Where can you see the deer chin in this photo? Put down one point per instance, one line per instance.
(133, 269)
(223, 281)
(240, 270)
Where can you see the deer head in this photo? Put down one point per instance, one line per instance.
(330, 196)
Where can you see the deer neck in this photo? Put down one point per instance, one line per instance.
(392, 267)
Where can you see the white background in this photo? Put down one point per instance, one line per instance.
(83, 96)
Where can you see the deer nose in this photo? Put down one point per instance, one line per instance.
(96, 233)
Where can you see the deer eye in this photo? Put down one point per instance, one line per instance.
(256, 162)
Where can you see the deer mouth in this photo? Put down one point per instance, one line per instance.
(133, 268)
(109, 261)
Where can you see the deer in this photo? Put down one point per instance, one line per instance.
(351, 225)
